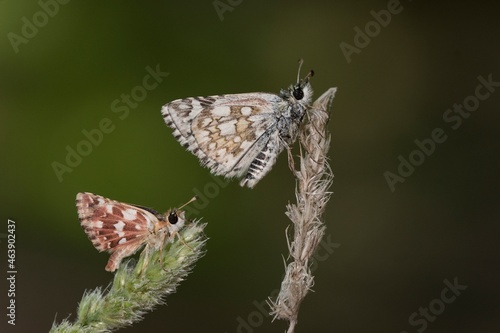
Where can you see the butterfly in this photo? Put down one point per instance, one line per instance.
(240, 135)
(121, 229)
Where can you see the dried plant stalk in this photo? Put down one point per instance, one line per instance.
(313, 181)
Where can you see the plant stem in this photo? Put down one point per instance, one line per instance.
(313, 180)
(137, 289)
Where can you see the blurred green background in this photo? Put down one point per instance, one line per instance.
(392, 249)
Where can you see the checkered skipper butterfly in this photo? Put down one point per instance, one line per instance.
(240, 135)
(122, 229)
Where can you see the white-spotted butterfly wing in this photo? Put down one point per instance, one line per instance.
(239, 134)
(122, 229)
(225, 132)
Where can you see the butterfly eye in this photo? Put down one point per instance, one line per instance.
(172, 218)
(298, 93)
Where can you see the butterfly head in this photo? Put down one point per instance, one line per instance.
(301, 92)
(175, 219)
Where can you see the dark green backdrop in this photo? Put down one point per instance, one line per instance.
(386, 254)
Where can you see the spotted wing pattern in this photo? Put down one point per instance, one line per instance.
(240, 134)
(227, 132)
(115, 227)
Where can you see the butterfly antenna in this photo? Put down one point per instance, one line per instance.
(309, 75)
(187, 203)
(301, 61)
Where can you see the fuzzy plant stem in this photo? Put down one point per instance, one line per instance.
(137, 289)
(313, 181)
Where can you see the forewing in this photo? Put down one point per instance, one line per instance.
(112, 225)
(224, 131)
